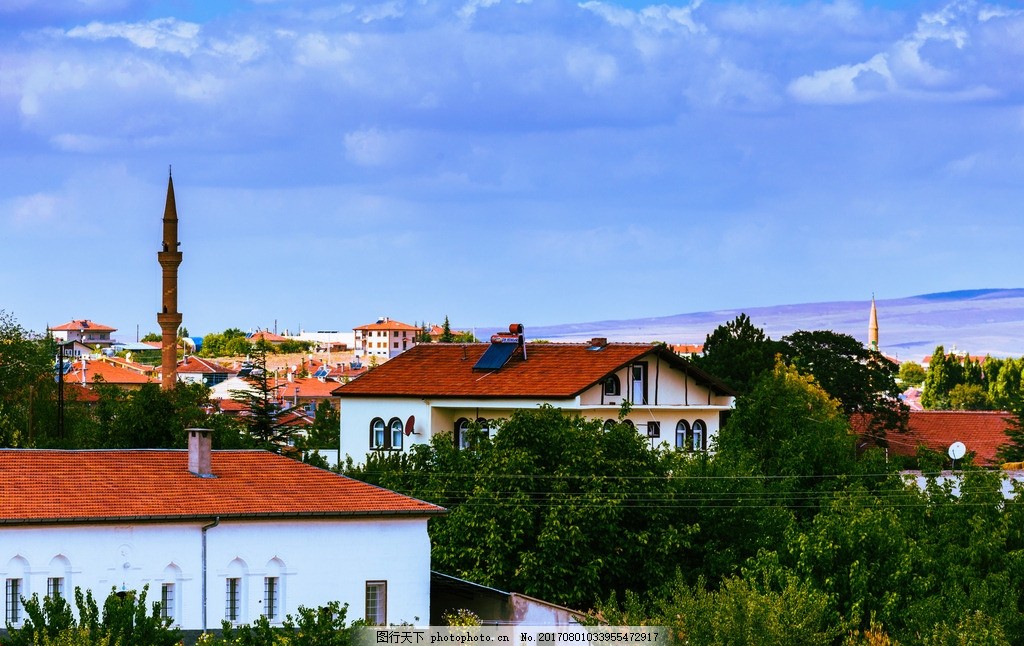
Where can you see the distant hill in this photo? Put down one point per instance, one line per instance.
(979, 321)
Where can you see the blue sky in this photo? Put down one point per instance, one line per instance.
(540, 161)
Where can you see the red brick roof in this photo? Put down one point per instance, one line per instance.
(269, 337)
(43, 486)
(107, 373)
(82, 324)
(552, 370)
(982, 432)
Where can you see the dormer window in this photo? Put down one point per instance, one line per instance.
(611, 386)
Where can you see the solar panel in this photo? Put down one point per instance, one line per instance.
(496, 355)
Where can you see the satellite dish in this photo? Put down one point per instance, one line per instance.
(410, 425)
(957, 450)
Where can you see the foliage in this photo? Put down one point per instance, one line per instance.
(969, 397)
(737, 352)
(744, 611)
(152, 337)
(446, 332)
(1013, 449)
(911, 374)
(323, 626)
(461, 617)
(861, 379)
(229, 343)
(262, 409)
(125, 619)
(26, 383)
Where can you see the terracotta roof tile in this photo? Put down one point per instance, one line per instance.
(42, 486)
(388, 324)
(194, 364)
(982, 432)
(82, 324)
(551, 370)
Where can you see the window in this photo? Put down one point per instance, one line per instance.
(397, 432)
(638, 372)
(271, 594)
(55, 587)
(13, 607)
(682, 434)
(232, 609)
(653, 429)
(167, 601)
(609, 424)
(700, 436)
(377, 434)
(611, 386)
(396, 345)
(377, 603)
(461, 426)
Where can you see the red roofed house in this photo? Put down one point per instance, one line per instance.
(217, 535)
(85, 332)
(384, 339)
(444, 387)
(196, 370)
(982, 432)
(112, 372)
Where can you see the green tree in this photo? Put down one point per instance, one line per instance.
(737, 352)
(262, 406)
(152, 337)
(26, 382)
(945, 371)
(446, 332)
(861, 379)
(911, 374)
(969, 397)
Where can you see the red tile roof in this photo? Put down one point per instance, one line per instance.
(107, 373)
(552, 370)
(82, 324)
(194, 364)
(269, 337)
(388, 324)
(982, 432)
(43, 486)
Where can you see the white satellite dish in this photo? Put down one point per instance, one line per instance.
(957, 450)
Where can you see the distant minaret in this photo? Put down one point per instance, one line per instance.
(169, 318)
(873, 326)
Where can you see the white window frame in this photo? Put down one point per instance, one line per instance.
(376, 603)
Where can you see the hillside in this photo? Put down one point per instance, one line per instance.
(981, 321)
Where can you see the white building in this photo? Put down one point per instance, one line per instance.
(217, 535)
(384, 339)
(444, 387)
(83, 333)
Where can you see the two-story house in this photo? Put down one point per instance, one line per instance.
(384, 339)
(445, 387)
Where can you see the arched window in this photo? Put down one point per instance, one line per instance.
(629, 423)
(235, 591)
(700, 436)
(609, 424)
(461, 426)
(170, 592)
(682, 434)
(611, 386)
(485, 426)
(57, 579)
(377, 433)
(273, 591)
(397, 433)
(15, 588)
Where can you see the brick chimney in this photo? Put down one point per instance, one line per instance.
(200, 442)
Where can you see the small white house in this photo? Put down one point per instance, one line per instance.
(217, 535)
(445, 387)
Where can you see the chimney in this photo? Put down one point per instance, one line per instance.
(200, 441)
(598, 342)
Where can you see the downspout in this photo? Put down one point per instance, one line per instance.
(216, 521)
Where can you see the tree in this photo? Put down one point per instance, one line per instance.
(152, 336)
(911, 374)
(26, 382)
(446, 332)
(788, 426)
(944, 372)
(860, 378)
(969, 397)
(738, 353)
(1013, 449)
(262, 407)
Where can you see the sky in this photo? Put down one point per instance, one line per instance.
(538, 161)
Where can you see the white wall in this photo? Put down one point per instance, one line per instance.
(316, 561)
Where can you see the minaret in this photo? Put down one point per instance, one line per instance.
(873, 326)
(169, 318)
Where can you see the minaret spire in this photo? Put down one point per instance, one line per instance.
(169, 318)
(873, 326)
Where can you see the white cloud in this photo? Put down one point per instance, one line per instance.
(594, 70)
(371, 147)
(163, 34)
(382, 11)
(37, 210)
(845, 83)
